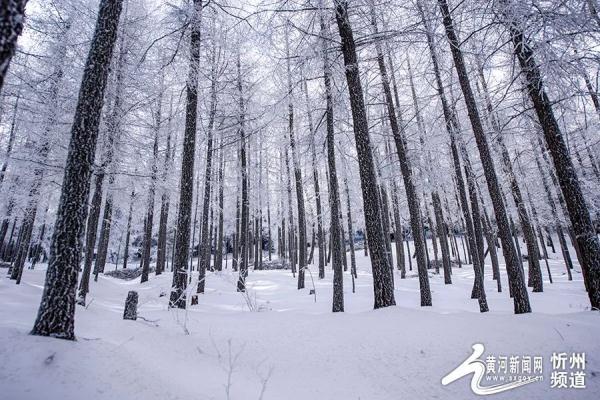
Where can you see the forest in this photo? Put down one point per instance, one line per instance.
(240, 199)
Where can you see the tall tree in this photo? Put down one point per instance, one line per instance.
(382, 277)
(56, 315)
(405, 167)
(297, 171)
(515, 271)
(182, 240)
(243, 237)
(334, 196)
(583, 228)
(204, 255)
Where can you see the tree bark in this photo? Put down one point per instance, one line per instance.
(585, 234)
(182, 238)
(335, 228)
(56, 315)
(515, 272)
(243, 264)
(151, 193)
(12, 17)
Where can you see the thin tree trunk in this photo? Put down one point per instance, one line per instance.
(297, 173)
(413, 204)
(243, 265)
(335, 228)
(534, 270)
(442, 234)
(55, 81)
(151, 193)
(220, 234)
(204, 253)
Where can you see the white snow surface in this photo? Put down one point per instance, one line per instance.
(289, 347)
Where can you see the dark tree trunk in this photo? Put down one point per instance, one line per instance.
(182, 238)
(11, 137)
(128, 233)
(151, 192)
(113, 127)
(585, 234)
(398, 232)
(243, 246)
(478, 291)
(291, 226)
(44, 148)
(334, 196)
(407, 174)
(90, 238)
(220, 233)
(161, 251)
(557, 224)
(320, 233)
(6, 223)
(382, 278)
(204, 253)
(56, 315)
(104, 232)
(442, 234)
(351, 232)
(297, 175)
(534, 270)
(515, 271)
(12, 16)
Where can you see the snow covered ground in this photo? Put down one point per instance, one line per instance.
(291, 346)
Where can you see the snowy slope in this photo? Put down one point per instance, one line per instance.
(291, 347)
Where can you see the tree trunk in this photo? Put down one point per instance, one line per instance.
(515, 272)
(557, 224)
(334, 196)
(11, 137)
(90, 238)
(585, 234)
(55, 81)
(320, 233)
(382, 278)
(220, 234)
(297, 174)
(182, 238)
(350, 232)
(243, 265)
(12, 16)
(151, 193)
(57, 308)
(204, 253)
(442, 234)
(534, 270)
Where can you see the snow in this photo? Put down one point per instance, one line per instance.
(292, 347)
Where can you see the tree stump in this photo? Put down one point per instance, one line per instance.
(131, 306)
(195, 300)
